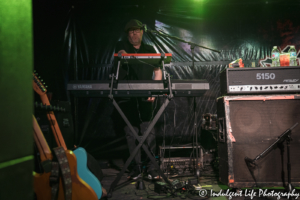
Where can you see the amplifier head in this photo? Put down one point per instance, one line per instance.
(260, 80)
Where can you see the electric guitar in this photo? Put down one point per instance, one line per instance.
(84, 173)
(41, 184)
(80, 190)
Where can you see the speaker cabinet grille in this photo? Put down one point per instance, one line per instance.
(253, 123)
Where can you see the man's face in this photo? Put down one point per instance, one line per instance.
(135, 36)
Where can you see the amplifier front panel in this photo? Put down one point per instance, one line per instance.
(275, 88)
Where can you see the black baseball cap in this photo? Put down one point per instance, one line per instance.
(134, 23)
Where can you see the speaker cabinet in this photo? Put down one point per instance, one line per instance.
(247, 126)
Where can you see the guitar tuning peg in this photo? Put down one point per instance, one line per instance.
(46, 86)
(41, 80)
(39, 77)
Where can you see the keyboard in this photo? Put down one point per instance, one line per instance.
(137, 88)
(139, 58)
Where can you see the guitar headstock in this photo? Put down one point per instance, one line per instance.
(38, 85)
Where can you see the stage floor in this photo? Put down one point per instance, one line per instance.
(208, 180)
(127, 190)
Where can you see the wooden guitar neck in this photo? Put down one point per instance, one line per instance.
(41, 90)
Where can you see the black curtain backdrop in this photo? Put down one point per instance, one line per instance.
(75, 40)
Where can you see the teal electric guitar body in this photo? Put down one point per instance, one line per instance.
(84, 172)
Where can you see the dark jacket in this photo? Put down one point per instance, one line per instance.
(135, 72)
(135, 109)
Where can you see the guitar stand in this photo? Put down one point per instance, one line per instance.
(285, 136)
(145, 135)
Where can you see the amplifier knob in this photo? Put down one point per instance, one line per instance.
(241, 88)
(256, 88)
(271, 87)
(260, 88)
(266, 87)
(250, 88)
(275, 87)
(285, 87)
(281, 87)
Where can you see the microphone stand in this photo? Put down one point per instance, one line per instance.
(285, 136)
(192, 47)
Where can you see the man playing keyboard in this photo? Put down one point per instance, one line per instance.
(139, 111)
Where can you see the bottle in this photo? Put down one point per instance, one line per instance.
(293, 56)
(275, 57)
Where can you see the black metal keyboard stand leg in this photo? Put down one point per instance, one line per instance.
(141, 141)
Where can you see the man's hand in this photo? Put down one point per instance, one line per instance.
(151, 99)
(122, 51)
(157, 76)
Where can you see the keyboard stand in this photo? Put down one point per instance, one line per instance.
(145, 135)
